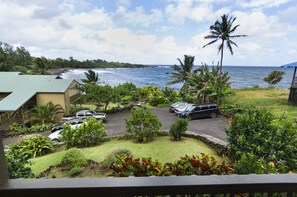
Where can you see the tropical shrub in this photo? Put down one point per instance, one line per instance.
(251, 164)
(207, 85)
(46, 113)
(157, 97)
(142, 125)
(272, 138)
(21, 129)
(113, 156)
(74, 160)
(197, 165)
(128, 166)
(205, 164)
(89, 133)
(18, 165)
(18, 128)
(40, 127)
(32, 146)
(178, 128)
(171, 95)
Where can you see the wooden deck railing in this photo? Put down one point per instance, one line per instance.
(227, 185)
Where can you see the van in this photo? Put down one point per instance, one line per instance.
(200, 111)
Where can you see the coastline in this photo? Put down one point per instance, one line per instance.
(58, 71)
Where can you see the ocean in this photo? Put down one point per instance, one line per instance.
(241, 76)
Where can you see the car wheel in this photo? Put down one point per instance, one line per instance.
(213, 115)
(190, 117)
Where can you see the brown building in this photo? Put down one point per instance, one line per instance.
(20, 93)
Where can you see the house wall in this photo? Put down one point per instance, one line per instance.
(71, 94)
(56, 98)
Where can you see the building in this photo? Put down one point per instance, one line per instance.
(20, 93)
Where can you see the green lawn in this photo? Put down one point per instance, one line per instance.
(274, 99)
(162, 148)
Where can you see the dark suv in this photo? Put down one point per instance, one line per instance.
(200, 111)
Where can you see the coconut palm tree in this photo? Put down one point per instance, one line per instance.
(180, 73)
(223, 30)
(91, 77)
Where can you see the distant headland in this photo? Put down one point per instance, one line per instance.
(290, 65)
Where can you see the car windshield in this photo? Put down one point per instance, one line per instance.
(189, 108)
(182, 105)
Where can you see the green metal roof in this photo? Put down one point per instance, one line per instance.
(24, 87)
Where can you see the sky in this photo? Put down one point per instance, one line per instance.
(151, 31)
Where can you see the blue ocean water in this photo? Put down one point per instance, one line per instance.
(241, 76)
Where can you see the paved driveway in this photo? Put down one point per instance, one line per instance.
(115, 125)
(213, 127)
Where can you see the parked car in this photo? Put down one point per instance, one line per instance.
(174, 105)
(200, 111)
(83, 114)
(71, 121)
(55, 136)
(182, 107)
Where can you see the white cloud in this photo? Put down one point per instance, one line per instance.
(125, 3)
(141, 35)
(138, 16)
(261, 3)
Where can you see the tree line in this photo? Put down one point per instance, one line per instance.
(20, 59)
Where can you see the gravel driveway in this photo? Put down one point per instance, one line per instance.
(115, 125)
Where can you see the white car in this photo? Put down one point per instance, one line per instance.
(55, 136)
(182, 107)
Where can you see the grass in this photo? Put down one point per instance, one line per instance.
(162, 149)
(274, 99)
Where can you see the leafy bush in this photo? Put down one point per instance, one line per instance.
(269, 137)
(205, 164)
(128, 166)
(18, 165)
(197, 165)
(74, 160)
(18, 128)
(156, 98)
(32, 146)
(22, 129)
(89, 133)
(142, 125)
(251, 164)
(178, 128)
(112, 157)
(40, 128)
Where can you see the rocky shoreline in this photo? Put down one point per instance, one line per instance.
(58, 71)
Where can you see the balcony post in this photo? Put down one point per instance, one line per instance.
(3, 166)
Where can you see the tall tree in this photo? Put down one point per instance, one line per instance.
(274, 77)
(180, 73)
(91, 77)
(223, 30)
(41, 65)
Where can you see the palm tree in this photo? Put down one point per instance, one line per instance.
(180, 73)
(222, 30)
(207, 85)
(47, 113)
(91, 77)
